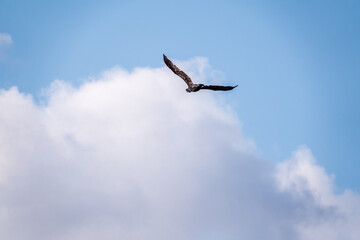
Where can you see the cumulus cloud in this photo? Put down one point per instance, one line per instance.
(301, 177)
(130, 155)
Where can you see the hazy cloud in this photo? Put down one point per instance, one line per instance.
(5, 39)
(130, 155)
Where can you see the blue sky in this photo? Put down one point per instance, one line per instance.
(296, 63)
(99, 140)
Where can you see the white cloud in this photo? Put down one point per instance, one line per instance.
(301, 177)
(132, 156)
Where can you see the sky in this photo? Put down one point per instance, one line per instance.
(91, 115)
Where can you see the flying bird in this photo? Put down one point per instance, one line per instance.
(191, 86)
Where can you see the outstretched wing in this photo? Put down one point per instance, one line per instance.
(177, 71)
(218, 87)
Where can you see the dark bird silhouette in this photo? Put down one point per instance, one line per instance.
(191, 86)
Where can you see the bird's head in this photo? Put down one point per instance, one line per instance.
(188, 90)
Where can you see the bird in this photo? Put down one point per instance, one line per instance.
(191, 86)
